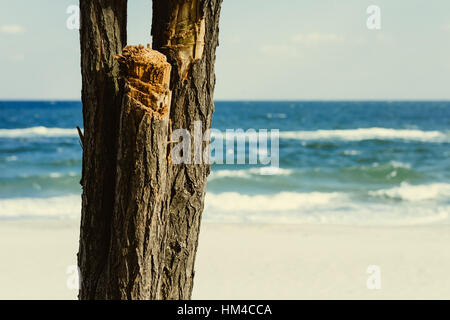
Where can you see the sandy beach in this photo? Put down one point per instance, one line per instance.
(237, 261)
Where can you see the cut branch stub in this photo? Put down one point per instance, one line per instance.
(147, 78)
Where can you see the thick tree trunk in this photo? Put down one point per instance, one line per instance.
(142, 198)
(102, 37)
(141, 213)
(187, 32)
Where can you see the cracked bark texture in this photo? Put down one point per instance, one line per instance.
(141, 198)
(102, 37)
(187, 32)
(141, 214)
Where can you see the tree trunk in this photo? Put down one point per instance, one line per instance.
(102, 37)
(141, 198)
(187, 32)
(141, 213)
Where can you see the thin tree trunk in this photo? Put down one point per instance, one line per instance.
(187, 33)
(141, 213)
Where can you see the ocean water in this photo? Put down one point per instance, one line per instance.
(357, 163)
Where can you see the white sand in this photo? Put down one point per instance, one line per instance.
(253, 261)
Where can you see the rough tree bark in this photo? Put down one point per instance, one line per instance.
(141, 199)
(102, 37)
(141, 213)
(187, 32)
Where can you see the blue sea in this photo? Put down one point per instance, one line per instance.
(354, 163)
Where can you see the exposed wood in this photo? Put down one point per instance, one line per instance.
(141, 198)
(141, 213)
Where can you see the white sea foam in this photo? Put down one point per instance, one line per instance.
(280, 202)
(249, 173)
(284, 207)
(38, 132)
(368, 134)
(351, 152)
(55, 207)
(407, 192)
(11, 158)
(55, 175)
(348, 134)
(276, 116)
(398, 164)
(319, 208)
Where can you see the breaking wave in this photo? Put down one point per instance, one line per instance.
(283, 207)
(368, 134)
(55, 207)
(415, 193)
(347, 134)
(37, 132)
(249, 173)
(318, 208)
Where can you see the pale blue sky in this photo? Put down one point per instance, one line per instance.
(278, 50)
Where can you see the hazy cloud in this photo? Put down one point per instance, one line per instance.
(312, 39)
(12, 29)
(291, 49)
(17, 57)
(279, 50)
(385, 39)
(232, 40)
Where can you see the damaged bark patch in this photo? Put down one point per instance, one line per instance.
(147, 78)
